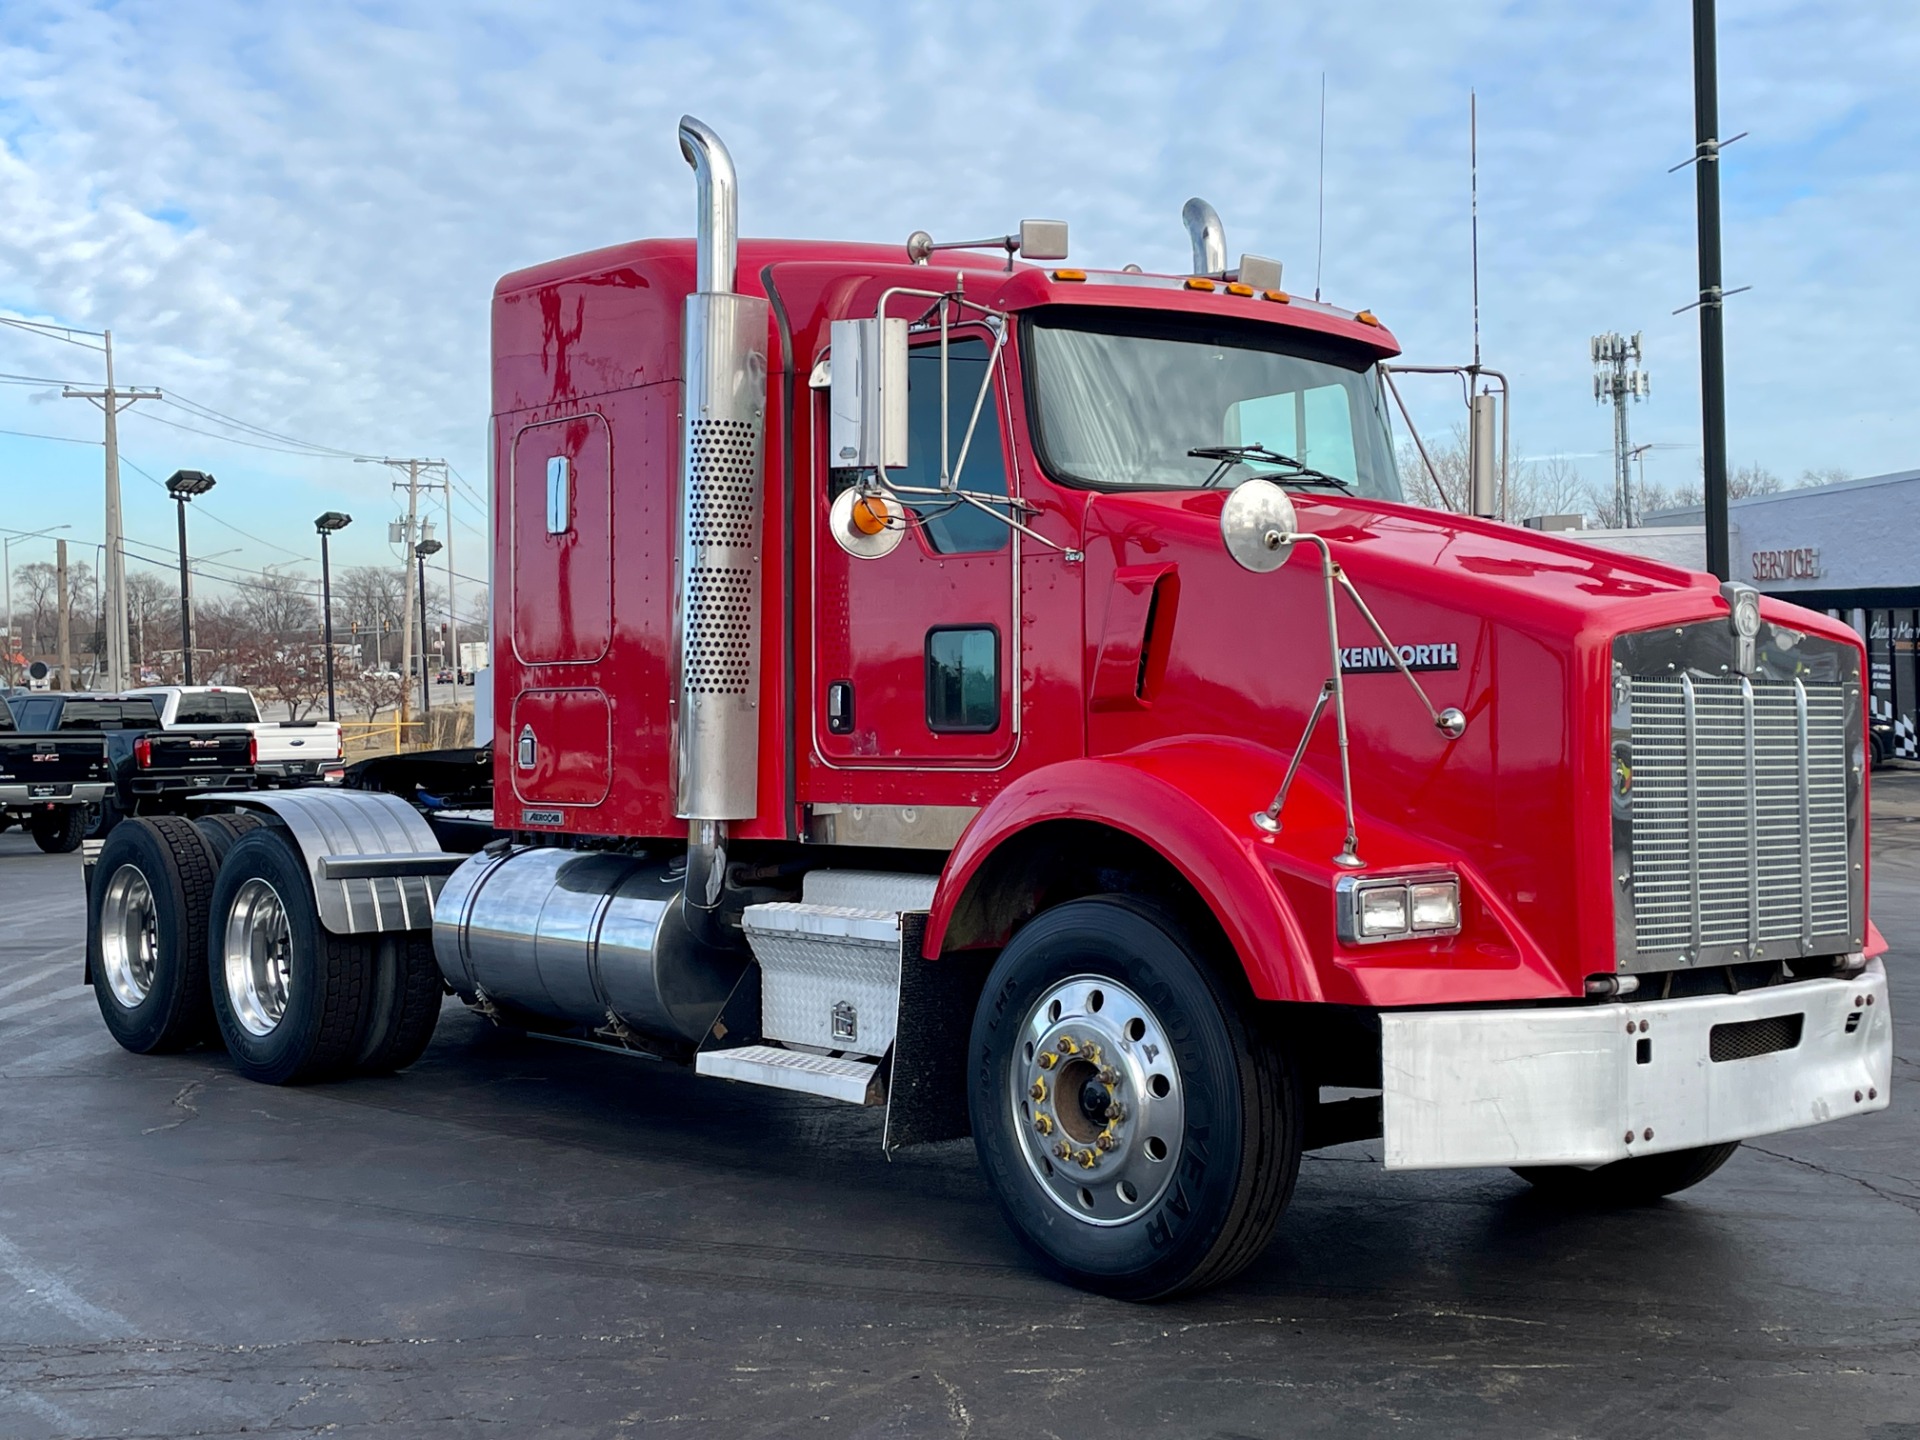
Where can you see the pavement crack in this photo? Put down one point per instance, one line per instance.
(1906, 1202)
(956, 1407)
(182, 1102)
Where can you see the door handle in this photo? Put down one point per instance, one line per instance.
(840, 707)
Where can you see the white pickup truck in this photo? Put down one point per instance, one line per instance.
(289, 752)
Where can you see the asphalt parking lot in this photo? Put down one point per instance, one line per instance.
(519, 1238)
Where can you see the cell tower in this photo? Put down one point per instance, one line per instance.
(1617, 378)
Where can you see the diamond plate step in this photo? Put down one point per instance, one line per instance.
(848, 1080)
(878, 890)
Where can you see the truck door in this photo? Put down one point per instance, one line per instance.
(916, 654)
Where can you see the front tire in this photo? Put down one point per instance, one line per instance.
(1141, 1137)
(60, 831)
(292, 999)
(147, 935)
(1637, 1180)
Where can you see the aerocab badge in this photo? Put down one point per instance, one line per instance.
(1378, 660)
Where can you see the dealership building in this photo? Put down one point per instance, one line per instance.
(1848, 549)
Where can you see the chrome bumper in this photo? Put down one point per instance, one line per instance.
(1593, 1084)
(86, 793)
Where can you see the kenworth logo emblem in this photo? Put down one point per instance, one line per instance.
(1376, 659)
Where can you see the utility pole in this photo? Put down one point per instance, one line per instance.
(1616, 380)
(63, 642)
(408, 539)
(1713, 345)
(111, 402)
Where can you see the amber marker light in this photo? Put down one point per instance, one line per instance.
(1278, 297)
(1199, 282)
(1234, 287)
(1367, 317)
(1069, 274)
(869, 518)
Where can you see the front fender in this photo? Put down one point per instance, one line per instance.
(1190, 801)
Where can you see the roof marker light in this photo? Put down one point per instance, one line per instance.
(1199, 282)
(1279, 297)
(1367, 317)
(1234, 287)
(1069, 274)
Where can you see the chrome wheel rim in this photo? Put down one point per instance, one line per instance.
(257, 950)
(129, 936)
(1096, 1099)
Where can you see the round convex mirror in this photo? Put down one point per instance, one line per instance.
(867, 524)
(1258, 525)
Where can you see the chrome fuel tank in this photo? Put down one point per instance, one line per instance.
(581, 936)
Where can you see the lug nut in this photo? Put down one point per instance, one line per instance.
(1088, 1159)
(1109, 1075)
(1048, 1060)
(1067, 1045)
(1116, 1112)
(1043, 1122)
(1062, 1151)
(1103, 1142)
(1037, 1090)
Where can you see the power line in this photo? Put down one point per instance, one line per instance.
(63, 439)
(64, 333)
(247, 534)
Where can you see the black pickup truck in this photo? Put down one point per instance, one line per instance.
(153, 770)
(52, 785)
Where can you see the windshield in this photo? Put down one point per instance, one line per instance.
(1120, 400)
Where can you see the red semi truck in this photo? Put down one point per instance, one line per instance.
(1021, 697)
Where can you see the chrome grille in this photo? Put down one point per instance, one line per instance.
(1739, 807)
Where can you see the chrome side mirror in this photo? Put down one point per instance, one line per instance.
(867, 395)
(1259, 526)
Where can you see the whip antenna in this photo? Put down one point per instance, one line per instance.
(1320, 226)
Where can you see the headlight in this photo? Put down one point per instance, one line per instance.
(1395, 907)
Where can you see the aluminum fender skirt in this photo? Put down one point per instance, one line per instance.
(326, 823)
(1589, 1085)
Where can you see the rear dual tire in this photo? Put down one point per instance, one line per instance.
(297, 1003)
(147, 912)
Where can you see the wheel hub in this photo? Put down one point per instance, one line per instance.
(129, 936)
(257, 956)
(1097, 1100)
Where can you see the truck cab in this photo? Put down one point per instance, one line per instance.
(1020, 697)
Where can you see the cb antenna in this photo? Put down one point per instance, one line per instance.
(1473, 205)
(1320, 226)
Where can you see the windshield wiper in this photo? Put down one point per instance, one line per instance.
(1231, 455)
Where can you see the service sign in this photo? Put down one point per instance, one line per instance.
(1800, 564)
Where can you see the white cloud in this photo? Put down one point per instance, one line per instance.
(296, 214)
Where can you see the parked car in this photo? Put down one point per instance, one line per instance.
(287, 752)
(52, 785)
(153, 771)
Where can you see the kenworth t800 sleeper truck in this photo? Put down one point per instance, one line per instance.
(1021, 698)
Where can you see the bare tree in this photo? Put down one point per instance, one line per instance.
(153, 616)
(1823, 475)
(367, 602)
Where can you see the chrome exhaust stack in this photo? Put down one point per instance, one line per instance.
(717, 719)
(1208, 235)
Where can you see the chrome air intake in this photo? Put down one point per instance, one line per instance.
(1738, 804)
(717, 724)
(588, 938)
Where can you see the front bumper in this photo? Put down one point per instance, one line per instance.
(54, 793)
(1592, 1084)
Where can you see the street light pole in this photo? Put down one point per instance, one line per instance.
(183, 485)
(326, 524)
(421, 552)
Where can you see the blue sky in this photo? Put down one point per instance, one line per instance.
(295, 214)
